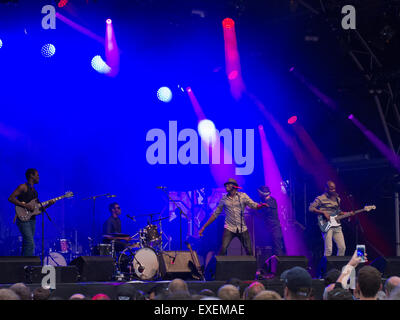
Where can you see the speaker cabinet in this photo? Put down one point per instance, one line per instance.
(94, 268)
(278, 264)
(177, 264)
(389, 266)
(222, 268)
(332, 262)
(12, 269)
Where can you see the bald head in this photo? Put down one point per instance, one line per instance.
(177, 285)
(228, 292)
(391, 283)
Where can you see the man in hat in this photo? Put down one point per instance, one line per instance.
(297, 284)
(270, 217)
(234, 204)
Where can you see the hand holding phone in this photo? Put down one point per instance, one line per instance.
(361, 252)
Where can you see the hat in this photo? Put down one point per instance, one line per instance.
(264, 190)
(297, 278)
(232, 181)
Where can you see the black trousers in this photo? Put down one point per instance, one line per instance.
(244, 238)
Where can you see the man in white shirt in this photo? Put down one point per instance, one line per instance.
(234, 204)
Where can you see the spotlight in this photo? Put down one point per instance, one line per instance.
(164, 94)
(189, 89)
(62, 3)
(1, 43)
(108, 21)
(291, 69)
(228, 23)
(207, 131)
(48, 50)
(350, 117)
(233, 75)
(99, 65)
(292, 120)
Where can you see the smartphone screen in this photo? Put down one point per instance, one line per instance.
(361, 252)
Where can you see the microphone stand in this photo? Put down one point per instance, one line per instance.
(43, 212)
(180, 216)
(108, 195)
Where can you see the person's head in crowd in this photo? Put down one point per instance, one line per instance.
(327, 289)
(331, 276)
(77, 296)
(297, 284)
(381, 295)
(368, 283)
(41, 294)
(207, 293)
(177, 285)
(395, 293)
(22, 291)
(8, 294)
(390, 284)
(101, 296)
(252, 290)
(234, 281)
(159, 291)
(126, 291)
(267, 295)
(229, 292)
(339, 293)
(179, 295)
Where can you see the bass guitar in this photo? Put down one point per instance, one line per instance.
(334, 218)
(24, 214)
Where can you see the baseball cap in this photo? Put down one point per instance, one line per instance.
(298, 280)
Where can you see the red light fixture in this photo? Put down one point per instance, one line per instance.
(228, 23)
(292, 120)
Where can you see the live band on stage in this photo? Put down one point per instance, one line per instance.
(139, 256)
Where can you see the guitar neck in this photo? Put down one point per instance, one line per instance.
(55, 199)
(348, 214)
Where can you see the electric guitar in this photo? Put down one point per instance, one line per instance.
(195, 262)
(334, 219)
(24, 214)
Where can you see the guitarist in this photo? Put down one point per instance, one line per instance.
(21, 197)
(326, 204)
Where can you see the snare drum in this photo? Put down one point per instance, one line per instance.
(143, 263)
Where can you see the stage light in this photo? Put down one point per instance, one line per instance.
(62, 3)
(233, 75)
(108, 21)
(48, 50)
(164, 94)
(291, 69)
(99, 65)
(207, 131)
(1, 43)
(189, 89)
(228, 23)
(350, 117)
(292, 120)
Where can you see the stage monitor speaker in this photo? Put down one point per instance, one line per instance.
(278, 264)
(12, 268)
(222, 268)
(94, 268)
(64, 274)
(389, 266)
(177, 264)
(332, 262)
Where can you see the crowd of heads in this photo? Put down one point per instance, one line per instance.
(297, 285)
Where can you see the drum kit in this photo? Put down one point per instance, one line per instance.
(136, 257)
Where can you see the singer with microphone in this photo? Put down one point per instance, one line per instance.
(327, 204)
(234, 204)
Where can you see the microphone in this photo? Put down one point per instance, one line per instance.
(131, 217)
(161, 187)
(111, 196)
(141, 269)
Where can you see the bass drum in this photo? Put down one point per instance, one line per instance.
(55, 259)
(143, 263)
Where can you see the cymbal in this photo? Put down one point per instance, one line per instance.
(160, 219)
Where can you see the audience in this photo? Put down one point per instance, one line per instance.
(22, 291)
(390, 284)
(267, 295)
(41, 294)
(252, 290)
(297, 284)
(8, 294)
(395, 293)
(229, 292)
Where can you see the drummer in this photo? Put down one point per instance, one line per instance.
(112, 226)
